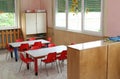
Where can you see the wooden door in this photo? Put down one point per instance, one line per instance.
(30, 23)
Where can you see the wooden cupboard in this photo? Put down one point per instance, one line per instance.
(94, 60)
(114, 61)
(87, 61)
(34, 23)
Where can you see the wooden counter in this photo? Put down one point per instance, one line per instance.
(94, 60)
(114, 61)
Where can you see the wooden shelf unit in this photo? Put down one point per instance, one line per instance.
(87, 63)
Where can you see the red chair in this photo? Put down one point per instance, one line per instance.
(25, 60)
(24, 47)
(19, 40)
(72, 43)
(51, 45)
(34, 47)
(49, 39)
(62, 57)
(32, 38)
(51, 57)
(9, 49)
(37, 44)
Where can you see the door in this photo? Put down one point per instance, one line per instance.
(30, 23)
(41, 22)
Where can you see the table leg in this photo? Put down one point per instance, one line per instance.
(28, 66)
(47, 44)
(36, 66)
(11, 54)
(28, 63)
(16, 54)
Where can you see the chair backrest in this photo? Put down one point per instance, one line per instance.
(24, 47)
(32, 38)
(39, 44)
(51, 56)
(9, 48)
(51, 45)
(19, 40)
(72, 43)
(34, 47)
(63, 54)
(49, 39)
(22, 57)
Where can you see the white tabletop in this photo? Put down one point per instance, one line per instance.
(17, 44)
(45, 51)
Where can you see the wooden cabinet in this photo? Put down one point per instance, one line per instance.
(114, 61)
(34, 23)
(87, 61)
(94, 60)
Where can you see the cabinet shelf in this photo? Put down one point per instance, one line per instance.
(37, 36)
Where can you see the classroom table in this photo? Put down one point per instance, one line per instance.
(39, 53)
(15, 45)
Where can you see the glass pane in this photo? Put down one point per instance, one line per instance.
(92, 15)
(74, 16)
(60, 13)
(7, 19)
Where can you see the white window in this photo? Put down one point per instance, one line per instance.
(8, 13)
(61, 14)
(79, 15)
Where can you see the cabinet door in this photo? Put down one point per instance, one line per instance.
(30, 23)
(41, 22)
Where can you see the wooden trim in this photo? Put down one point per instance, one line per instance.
(9, 35)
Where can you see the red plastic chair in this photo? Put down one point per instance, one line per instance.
(51, 57)
(19, 40)
(34, 47)
(72, 43)
(49, 39)
(9, 49)
(32, 38)
(24, 47)
(25, 60)
(51, 45)
(37, 44)
(62, 57)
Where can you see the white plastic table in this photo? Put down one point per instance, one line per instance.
(36, 54)
(15, 45)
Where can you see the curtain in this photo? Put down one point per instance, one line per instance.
(7, 6)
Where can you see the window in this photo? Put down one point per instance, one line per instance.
(7, 13)
(92, 15)
(61, 13)
(79, 15)
(74, 15)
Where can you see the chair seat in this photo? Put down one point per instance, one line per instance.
(47, 61)
(62, 58)
(28, 60)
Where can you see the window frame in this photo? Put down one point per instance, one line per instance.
(17, 17)
(82, 19)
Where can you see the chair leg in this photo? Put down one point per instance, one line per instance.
(46, 69)
(57, 66)
(62, 62)
(6, 56)
(60, 66)
(20, 66)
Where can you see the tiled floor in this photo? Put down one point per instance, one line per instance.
(9, 69)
